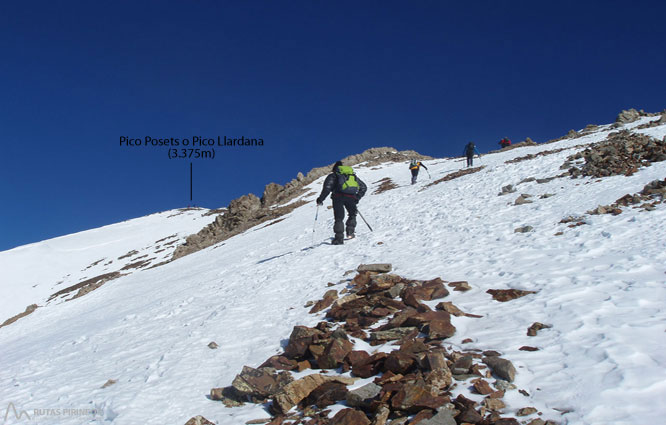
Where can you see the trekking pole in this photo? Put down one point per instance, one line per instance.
(429, 176)
(315, 225)
(366, 223)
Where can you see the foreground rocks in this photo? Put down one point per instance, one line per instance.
(412, 374)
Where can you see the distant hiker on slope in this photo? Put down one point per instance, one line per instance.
(505, 142)
(414, 166)
(347, 191)
(469, 153)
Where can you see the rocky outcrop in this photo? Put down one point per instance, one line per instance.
(249, 210)
(622, 153)
(414, 374)
(454, 175)
(627, 116)
(28, 310)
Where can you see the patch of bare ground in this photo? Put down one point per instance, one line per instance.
(544, 153)
(386, 184)
(86, 286)
(129, 254)
(28, 310)
(138, 264)
(164, 239)
(454, 175)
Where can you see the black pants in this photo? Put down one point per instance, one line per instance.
(340, 203)
(470, 160)
(415, 174)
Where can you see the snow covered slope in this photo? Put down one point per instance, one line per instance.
(600, 286)
(32, 273)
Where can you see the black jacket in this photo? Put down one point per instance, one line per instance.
(330, 185)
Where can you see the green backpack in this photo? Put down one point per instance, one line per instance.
(347, 180)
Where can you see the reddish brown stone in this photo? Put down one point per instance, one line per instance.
(334, 353)
(299, 340)
(421, 319)
(280, 363)
(413, 397)
(325, 302)
(399, 362)
(439, 329)
(461, 286)
(482, 387)
(325, 395)
(369, 367)
(528, 348)
(470, 416)
(422, 416)
(361, 280)
(504, 295)
(349, 417)
(409, 298)
(536, 326)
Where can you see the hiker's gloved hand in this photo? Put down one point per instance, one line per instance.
(320, 202)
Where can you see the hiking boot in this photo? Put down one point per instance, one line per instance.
(337, 242)
(350, 236)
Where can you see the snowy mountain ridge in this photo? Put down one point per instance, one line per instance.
(599, 284)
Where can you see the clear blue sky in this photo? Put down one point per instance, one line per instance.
(317, 80)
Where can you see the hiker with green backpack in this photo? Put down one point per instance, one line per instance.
(347, 189)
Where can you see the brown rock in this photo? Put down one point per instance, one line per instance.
(259, 384)
(328, 299)
(382, 414)
(436, 360)
(536, 326)
(503, 368)
(393, 334)
(440, 329)
(494, 404)
(482, 387)
(461, 286)
(370, 366)
(292, 393)
(199, 420)
(528, 348)
(526, 411)
(504, 295)
(470, 416)
(413, 397)
(422, 416)
(227, 395)
(349, 417)
(462, 365)
(280, 363)
(325, 395)
(334, 353)
(399, 362)
(439, 379)
(377, 268)
(300, 339)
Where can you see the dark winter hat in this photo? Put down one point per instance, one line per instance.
(337, 164)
